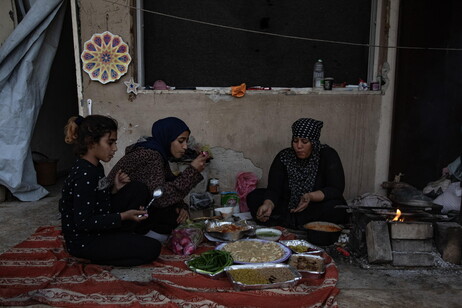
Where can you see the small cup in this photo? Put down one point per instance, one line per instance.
(328, 82)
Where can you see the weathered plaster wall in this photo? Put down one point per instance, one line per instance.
(7, 17)
(257, 125)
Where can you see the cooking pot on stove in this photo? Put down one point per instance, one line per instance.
(322, 233)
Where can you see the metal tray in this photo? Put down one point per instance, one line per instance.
(310, 248)
(286, 250)
(318, 260)
(241, 286)
(227, 236)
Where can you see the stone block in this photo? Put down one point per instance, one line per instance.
(411, 230)
(378, 242)
(449, 241)
(412, 245)
(413, 259)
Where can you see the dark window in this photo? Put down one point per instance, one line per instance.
(187, 54)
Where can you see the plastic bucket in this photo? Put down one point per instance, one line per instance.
(45, 168)
(2, 193)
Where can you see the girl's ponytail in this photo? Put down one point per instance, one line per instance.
(71, 129)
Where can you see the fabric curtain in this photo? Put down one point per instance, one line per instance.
(25, 62)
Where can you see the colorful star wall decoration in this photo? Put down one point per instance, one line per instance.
(105, 57)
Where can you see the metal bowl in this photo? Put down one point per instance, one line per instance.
(322, 233)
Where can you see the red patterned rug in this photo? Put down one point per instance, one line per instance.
(40, 271)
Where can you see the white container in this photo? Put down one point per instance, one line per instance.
(226, 212)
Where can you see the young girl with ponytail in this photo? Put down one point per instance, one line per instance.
(100, 217)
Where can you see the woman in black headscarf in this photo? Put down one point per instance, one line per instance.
(305, 182)
(147, 162)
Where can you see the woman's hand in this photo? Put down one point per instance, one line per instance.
(314, 196)
(183, 215)
(265, 210)
(200, 161)
(303, 204)
(135, 215)
(120, 180)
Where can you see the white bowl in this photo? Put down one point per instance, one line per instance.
(268, 234)
(226, 212)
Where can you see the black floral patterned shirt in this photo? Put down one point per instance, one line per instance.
(330, 178)
(85, 205)
(147, 166)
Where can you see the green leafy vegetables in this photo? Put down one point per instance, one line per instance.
(212, 261)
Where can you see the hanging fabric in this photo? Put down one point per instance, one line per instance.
(25, 62)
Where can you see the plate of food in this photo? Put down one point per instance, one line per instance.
(251, 251)
(227, 231)
(307, 263)
(210, 263)
(262, 276)
(302, 246)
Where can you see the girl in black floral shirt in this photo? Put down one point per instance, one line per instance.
(98, 217)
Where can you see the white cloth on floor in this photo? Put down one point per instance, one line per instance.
(160, 237)
(450, 199)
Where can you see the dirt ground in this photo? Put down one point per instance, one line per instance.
(360, 286)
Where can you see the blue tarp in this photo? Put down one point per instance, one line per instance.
(25, 61)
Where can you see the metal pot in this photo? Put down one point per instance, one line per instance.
(322, 233)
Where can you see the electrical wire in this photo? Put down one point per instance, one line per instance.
(282, 35)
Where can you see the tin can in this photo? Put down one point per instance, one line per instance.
(328, 83)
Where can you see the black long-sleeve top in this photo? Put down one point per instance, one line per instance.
(85, 205)
(330, 178)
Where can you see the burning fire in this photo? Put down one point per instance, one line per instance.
(397, 216)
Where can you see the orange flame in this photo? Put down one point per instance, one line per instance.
(398, 214)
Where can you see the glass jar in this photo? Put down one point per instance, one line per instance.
(214, 186)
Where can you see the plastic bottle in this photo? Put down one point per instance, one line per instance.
(318, 75)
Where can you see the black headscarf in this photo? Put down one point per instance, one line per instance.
(302, 172)
(164, 131)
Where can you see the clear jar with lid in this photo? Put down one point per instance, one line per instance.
(214, 186)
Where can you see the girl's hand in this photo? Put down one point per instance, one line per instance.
(135, 215)
(199, 162)
(183, 215)
(120, 180)
(303, 204)
(265, 210)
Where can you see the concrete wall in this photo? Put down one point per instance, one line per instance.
(257, 125)
(7, 17)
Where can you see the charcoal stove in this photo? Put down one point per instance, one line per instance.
(411, 216)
